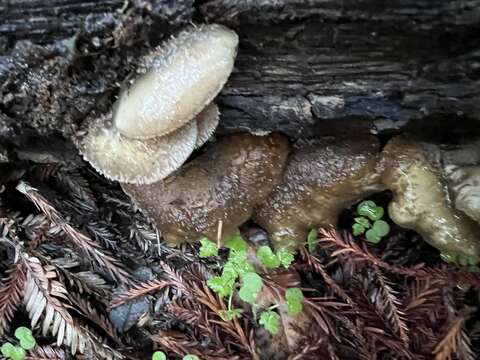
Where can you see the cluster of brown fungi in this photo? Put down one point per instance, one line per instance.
(158, 123)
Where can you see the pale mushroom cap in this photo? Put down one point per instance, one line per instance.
(137, 161)
(207, 122)
(183, 77)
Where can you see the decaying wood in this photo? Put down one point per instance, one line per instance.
(303, 68)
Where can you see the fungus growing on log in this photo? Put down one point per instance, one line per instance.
(464, 186)
(136, 161)
(223, 185)
(164, 115)
(207, 122)
(180, 79)
(421, 201)
(320, 180)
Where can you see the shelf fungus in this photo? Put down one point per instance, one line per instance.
(179, 80)
(167, 111)
(319, 181)
(218, 190)
(421, 200)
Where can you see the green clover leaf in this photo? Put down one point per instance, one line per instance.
(191, 357)
(312, 240)
(13, 352)
(231, 314)
(270, 320)
(285, 256)
(252, 285)
(362, 221)
(267, 257)
(24, 334)
(358, 229)
(381, 227)
(294, 298)
(159, 355)
(372, 236)
(369, 209)
(7, 349)
(208, 248)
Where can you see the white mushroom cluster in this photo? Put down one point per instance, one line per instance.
(167, 111)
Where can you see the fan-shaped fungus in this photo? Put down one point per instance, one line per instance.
(181, 78)
(159, 121)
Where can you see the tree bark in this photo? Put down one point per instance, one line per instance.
(303, 68)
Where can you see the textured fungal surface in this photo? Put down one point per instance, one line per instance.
(421, 200)
(222, 185)
(180, 79)
(464, 186)
(207, 122)
(136, 161)
(319, 181)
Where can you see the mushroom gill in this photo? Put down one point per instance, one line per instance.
(319, 181)
(180, 79)
(421, 200)
(207, 122)
(145, 161)
(223, 185)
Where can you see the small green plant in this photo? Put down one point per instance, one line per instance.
(370, 218)
(26, 340)
(208, 248)
(239, 272)
(294, 298)
(270, 320)
(283, 257)
(191, 357)
(159, 355)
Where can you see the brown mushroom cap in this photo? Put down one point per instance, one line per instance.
(421, 201)
(136, 161)
(207, 122)
(319, 181)
(183, 77)
(223, 184)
